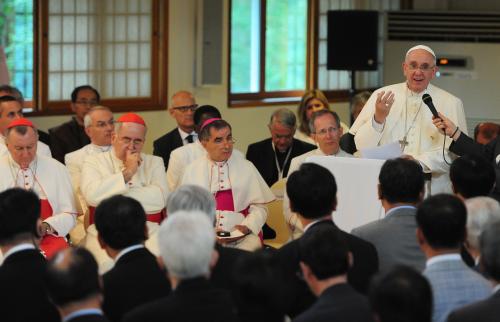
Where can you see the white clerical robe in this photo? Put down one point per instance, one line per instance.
(180, 158)
(102, 178)
(249, 191)
(410, 116)
(50, 180)
(291, 218)
(74, 164)
(41, 149)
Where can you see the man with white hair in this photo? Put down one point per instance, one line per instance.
(188, 265)
(125, 170)
(481, 213)
(397, 113)
(49, 179)
(99, 125)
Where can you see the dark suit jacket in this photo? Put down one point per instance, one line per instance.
(465, 145)
(44, 137)
(298, 296)
(23, 294)
(338, 303)
(347, 143)
(135, 279)
(166, 144)
(262, 155)
(222, 274)
(485, 311)
(192, 300)
(89, 318)
(66, 138)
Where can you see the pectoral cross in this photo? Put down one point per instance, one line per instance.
(403, 143)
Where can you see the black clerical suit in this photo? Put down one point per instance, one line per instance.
(66, 138)
(298, 296)
(135, 279)
(23, 296)
(164, 145)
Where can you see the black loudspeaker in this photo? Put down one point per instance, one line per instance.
(352, 40)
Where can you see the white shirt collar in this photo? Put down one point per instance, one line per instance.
(128, 250)
(443, 258)
(100, 148)
(185, 134)
(18, 248)
(496, 288)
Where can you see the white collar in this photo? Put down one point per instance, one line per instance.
(443, 258)
(496, 288)
(185, 134)
(18, 248)
(99, 148)
(128, 250)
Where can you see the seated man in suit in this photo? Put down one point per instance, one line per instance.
(324, 261)
(23, 296)
(314, 206)
(186, 241)
(326, 132)
(272, 156)
(487, 310)
(125, 170)
(401, 294)
(181, 109)
(71, 136)
(441, 230)
(181, 157)
(7, 90)
(74, 287)
(10, 110)
(471, 176)
(400, 189)
(49, 179)
(136, 277)
(239, 190)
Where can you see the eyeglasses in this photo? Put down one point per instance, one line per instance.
(88, 103)
(186, 108)
(329, 130)
(423, 67)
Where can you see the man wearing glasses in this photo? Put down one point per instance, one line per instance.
(71, 136)
(397, 113)
(240, 192)
(326, 131)
(182, 110)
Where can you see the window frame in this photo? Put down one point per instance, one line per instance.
(41, 106)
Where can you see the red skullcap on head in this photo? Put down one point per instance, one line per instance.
(131, 118)
(208, 121)
(20, 122)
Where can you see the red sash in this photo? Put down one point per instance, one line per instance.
(224, 201)
(156, 217)
(50, 244)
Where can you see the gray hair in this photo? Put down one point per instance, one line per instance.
(186, 240)
(360, 99)
(320, 113)
(87, 119)
(285, 117)
(490, 250)
(190, 197)
(481, 212)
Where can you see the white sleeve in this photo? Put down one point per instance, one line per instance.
(175, 170)
(256, 218)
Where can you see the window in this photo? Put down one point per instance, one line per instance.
(16, 45)
(268, 49)
(116, 46)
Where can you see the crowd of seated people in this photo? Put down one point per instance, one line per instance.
(92, 228)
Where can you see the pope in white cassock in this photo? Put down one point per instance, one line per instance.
(10, 110)
(396, 113)
(326, 130)
(48, 178)
(239, 190)
(99, 126)
(125, 170)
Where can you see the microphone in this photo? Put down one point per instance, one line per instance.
(428, 101)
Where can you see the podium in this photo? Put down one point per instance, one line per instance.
(357, 197)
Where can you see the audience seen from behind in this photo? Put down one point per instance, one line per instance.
(401, 295)
(400, 189)
(472, 176)
(324, 261)
(485, 132)
(186, 241)
(73, 285)
(441, 221)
